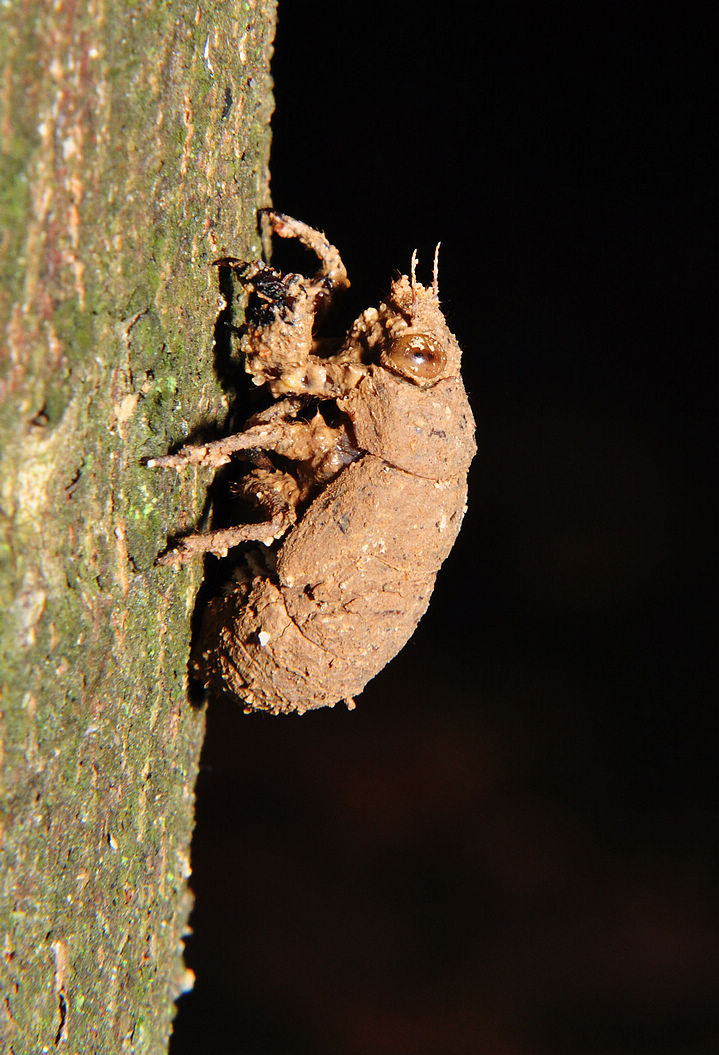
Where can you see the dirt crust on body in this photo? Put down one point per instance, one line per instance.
(379, 436)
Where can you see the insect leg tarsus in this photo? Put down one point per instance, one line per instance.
(265, 489)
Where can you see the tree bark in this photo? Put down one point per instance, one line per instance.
(135, 142)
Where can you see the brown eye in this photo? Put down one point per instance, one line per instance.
(417, 355)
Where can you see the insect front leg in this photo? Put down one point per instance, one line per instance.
(279, 344)
(332, 274)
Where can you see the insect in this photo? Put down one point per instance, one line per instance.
(378, 435)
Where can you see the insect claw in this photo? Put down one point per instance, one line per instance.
(229, 261)
(270, 213)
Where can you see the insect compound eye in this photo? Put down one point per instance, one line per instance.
(417, 355)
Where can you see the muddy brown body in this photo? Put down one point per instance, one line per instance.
(358, 533)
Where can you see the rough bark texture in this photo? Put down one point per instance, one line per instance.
(134, 145)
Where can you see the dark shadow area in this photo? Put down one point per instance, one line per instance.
(509, 848)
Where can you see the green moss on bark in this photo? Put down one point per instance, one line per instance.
(134, 147)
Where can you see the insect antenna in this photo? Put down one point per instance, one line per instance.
(435, 272)
(413, 276)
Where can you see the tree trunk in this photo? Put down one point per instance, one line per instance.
(135, 145)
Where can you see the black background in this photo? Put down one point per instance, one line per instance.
(508, 848)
